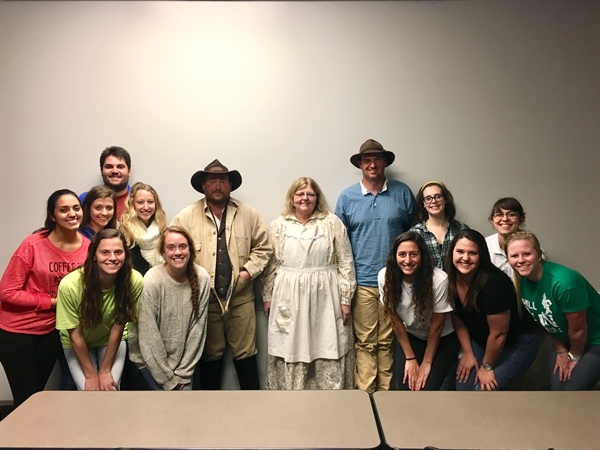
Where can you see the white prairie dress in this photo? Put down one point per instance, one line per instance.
(309, 277)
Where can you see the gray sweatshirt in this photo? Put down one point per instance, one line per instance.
(167, 339)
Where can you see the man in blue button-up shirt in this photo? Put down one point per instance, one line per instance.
(375, 211)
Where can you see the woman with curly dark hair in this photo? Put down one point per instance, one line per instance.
(415, 294)
(94, 305)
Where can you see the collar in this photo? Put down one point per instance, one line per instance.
(316, 215)
(494, 245)
(232, 202)
(365, 191)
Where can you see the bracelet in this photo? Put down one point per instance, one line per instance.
(410, 359)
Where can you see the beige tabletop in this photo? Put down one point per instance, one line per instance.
(490, 420)
(210, 419)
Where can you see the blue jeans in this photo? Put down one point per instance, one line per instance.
(153, 385)
(512, 363)
(585, 375)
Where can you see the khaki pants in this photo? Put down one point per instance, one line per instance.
(373, 330)
(237, 328)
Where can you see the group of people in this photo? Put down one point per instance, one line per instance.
(388, 292)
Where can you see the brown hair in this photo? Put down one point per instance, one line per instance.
(94, 194)
(91, 304)
(423, 285)
(482, 273)
(190, 270)
(508, 204)
(449, 208)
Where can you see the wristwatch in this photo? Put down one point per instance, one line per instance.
(486, 366)
(572, 357)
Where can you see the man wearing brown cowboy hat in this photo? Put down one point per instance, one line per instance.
(375, 211)
(232, 245)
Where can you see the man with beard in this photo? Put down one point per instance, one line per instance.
(115, 168)
(232, 245)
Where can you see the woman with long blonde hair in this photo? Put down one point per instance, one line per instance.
(142, 223)
(566, 305)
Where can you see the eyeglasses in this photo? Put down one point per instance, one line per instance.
(305, 194)
(430, 198)
(500, 215)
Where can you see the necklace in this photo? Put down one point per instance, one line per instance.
(465, 285)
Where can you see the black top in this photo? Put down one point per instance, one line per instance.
(137, 260)
(496, 296)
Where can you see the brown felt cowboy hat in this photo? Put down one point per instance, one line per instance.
(217, 168)
(372, 147)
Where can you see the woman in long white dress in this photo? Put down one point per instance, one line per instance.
(307, 290)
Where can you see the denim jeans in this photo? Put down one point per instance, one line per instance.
(153, 385)
(512, 363)
(585, 375)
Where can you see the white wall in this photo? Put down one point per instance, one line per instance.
(495, 98)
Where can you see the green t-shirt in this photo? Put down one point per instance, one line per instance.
(70, 294)
(562, 290)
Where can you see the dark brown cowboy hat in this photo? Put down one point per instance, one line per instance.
(216, 167)
(372, 147)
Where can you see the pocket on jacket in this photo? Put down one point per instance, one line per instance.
(242, 244)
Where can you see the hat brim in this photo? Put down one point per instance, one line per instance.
(389, 157)
(199, 177)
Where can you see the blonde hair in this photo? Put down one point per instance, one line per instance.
(523, 235)
(301, 183)
(131, 225)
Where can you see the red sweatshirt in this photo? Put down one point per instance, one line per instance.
(31, 280)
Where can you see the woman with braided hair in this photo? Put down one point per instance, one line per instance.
(171, 329)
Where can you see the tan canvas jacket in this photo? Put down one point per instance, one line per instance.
(248, 243)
